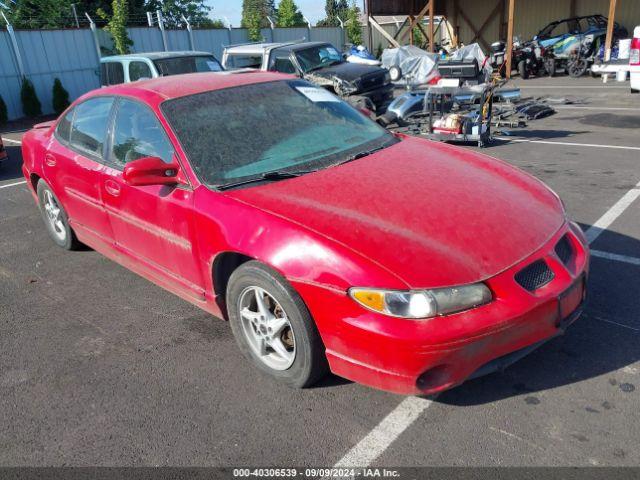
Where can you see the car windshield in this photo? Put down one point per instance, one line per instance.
(243, 132)
(314, 58)
(187, 64)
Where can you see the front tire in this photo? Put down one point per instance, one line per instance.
(273, 326)
(55, 218)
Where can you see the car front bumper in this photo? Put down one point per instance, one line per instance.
(428, 356)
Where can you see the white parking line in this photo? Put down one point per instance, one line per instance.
(11, 140)
(581, 107)
(570, 87)
(614, 212)
(614, 323)
(383, 435)
(7, 185)
(616, 257)
(571, 144)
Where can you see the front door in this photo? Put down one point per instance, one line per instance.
(153, 223)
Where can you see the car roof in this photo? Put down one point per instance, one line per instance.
(154, 55)
(252, 48)
(260, 48)
(174, 86)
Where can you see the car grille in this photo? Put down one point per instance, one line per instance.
(564, 250)
(372, 81)
(534, 276)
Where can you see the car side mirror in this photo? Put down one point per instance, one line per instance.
(151, 171)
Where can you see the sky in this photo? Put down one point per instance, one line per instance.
(232, 9)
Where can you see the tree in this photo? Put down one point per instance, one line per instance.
(213, 23)
(36, 14)
(256, 12)
(253, 23)
(334, 9)
(60, 97)
(289, 15)
(137, 10)
(196, 11)
(30, 103)
(117, 26)
(353, 26)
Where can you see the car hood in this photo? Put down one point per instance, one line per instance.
(433, 214)
(347, 71)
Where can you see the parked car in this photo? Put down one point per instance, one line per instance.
(320, 63)
(326, 241)
(118, 69)
(3, 152)
(634, 61)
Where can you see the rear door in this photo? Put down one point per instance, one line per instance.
(153, 223)
(73, 166)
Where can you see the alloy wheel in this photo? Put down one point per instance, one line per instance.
(54, 216)
(267, 328)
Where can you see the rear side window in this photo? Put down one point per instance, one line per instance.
(281, 62)
(138, 70)
(187, 64)
(63, 130)
(244, 61)
(111, 73)
(89, 127)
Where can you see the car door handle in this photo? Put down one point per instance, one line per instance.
(50, 160)
(112, 188)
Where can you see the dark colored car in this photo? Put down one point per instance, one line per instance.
(320, 63)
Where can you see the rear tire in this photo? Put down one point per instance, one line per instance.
(55, 218)
(277, 335)
(522, 69)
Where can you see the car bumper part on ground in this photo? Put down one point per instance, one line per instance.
(428, 356)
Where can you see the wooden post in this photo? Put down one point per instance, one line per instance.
(431, 46)
(610, 22)
(501, 32)
(367, 7)
(415, 21)
(411, 39)
(456, 30)
(510, 37)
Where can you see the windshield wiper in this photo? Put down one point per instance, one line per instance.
(366, 153)
(267, 176)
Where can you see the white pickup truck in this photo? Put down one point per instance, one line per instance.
(632, 65)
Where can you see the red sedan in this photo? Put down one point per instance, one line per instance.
(326, 241)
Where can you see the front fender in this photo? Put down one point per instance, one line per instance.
(225, 224)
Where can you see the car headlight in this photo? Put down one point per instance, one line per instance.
(422, 303)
